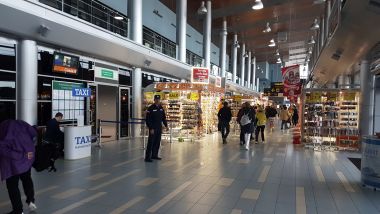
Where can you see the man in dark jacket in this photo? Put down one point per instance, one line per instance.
(155, 117)
(224, 116)
(53, 133)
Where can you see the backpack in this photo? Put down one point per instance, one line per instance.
(245, 119)
(46, 154)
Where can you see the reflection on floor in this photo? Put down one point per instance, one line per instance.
(205, 177)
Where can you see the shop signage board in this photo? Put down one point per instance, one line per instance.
(81, 92)
(237, 98)
(332, 96)
(349, 96)
(58, 85)
(315, 97)
(218, 82)
(200, 75)
(174, 95)
(106, 73)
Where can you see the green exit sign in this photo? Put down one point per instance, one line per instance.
(107, 74)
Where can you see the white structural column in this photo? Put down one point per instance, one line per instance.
(181, 29)
(367, 104)
(234, 59)
(136, 30)
(223, 49)
(340, 81)
(27, 58)
(356, 80)
(249, 69)
(242, 65)
(327, 15)
(136, 21)
(254, 73)
(207, 36)
(322, 30)
(258, 84)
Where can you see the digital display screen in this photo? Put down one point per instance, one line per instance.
(64, 63)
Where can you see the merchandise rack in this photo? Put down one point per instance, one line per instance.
(330, 119)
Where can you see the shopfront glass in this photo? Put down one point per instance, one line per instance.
(124, 113)
(7, 83)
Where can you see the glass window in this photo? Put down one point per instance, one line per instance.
(57, 4)
(7, 58)
(7, 86)
(44, 88)
(84, 10)
(100, 15)
(7, 110)
(44, 113)
(71, 7)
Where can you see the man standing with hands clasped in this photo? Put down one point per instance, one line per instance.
(155, 117)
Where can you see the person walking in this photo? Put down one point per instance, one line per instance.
(272, 113)
(17, 154)
(224, 116)
(246, 122)
(155, 117)
(295, 116)
(284, 117)
(261, 120)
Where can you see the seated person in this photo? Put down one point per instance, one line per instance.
(53, 133)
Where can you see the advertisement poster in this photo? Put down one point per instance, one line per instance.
(218, 82)
(200, 75)
(292, 81)
(370, 173)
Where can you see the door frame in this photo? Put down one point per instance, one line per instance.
(119, 112)
(88, 111)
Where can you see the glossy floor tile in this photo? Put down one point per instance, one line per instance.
(204, 177)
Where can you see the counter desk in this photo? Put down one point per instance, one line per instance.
(77, 142)
(370, 165)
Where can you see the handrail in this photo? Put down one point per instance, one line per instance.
(88, 15)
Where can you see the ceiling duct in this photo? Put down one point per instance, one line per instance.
(282, 37)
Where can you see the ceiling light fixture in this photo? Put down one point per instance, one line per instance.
(272, 43)
(315, 25)
(202, 9)
(279, 60)
(277, 53)
(118, 17)
(310, 50)
(245, 55)
(258, 5)
(311, 41)
(267, 28)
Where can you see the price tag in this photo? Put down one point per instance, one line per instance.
(173, 95)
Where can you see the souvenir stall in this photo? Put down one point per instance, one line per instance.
(330, 119)
(191, 109)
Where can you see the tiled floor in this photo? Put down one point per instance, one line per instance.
(205, 177)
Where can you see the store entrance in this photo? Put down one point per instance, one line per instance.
(91, 113)
(107, 111)
(123, 112)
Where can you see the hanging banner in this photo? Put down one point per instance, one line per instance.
(291, 80)
(200, 75)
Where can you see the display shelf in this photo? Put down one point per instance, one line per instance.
(332, 114)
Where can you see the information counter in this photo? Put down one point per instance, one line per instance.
(370, 166)
(77, 142)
